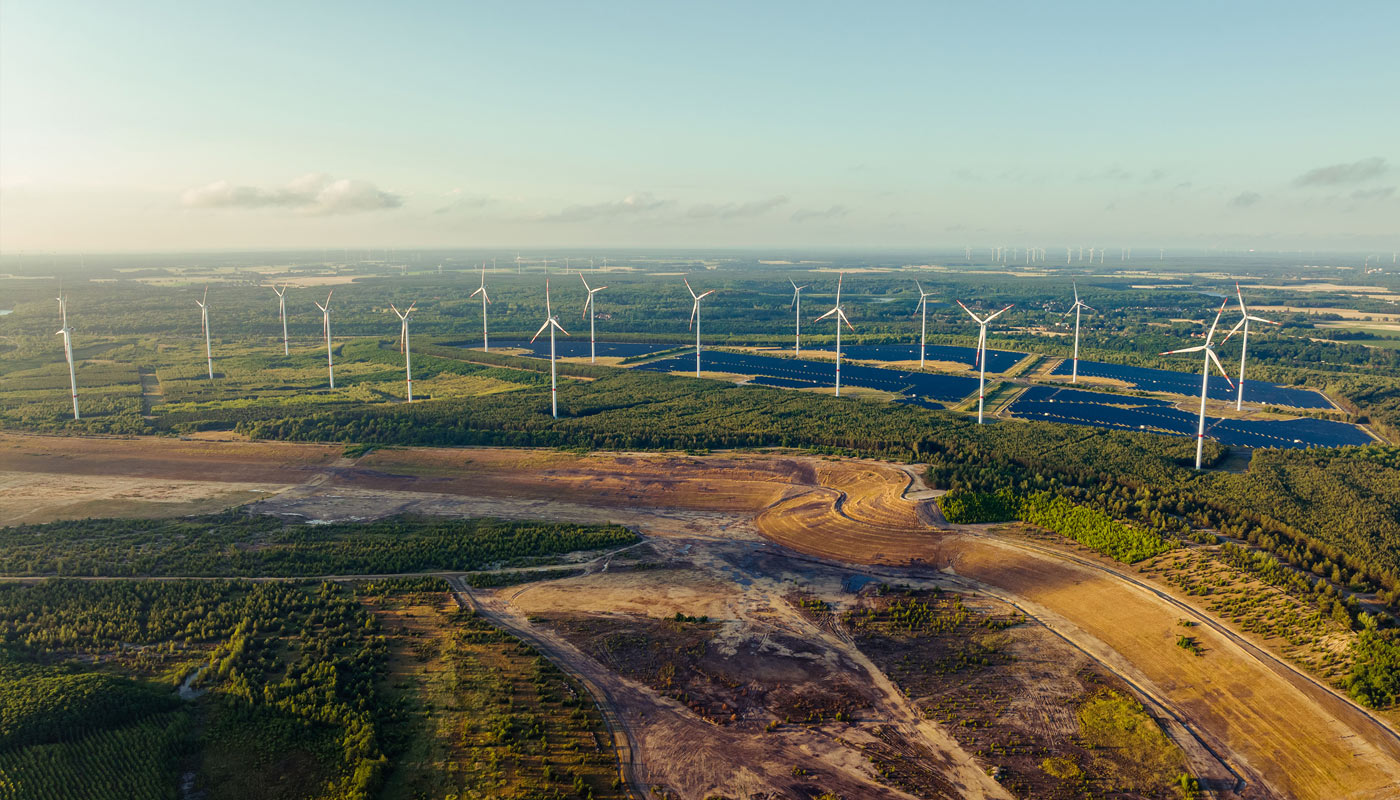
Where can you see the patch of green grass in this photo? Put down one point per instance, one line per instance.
(1132, 753)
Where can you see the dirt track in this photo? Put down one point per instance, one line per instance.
(1272, 727)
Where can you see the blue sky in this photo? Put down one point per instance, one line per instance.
(167, 126)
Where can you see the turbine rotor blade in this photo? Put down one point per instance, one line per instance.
(994, 316)
(1184, 350)
(538, 332)
(1216, 362)
(969, 312)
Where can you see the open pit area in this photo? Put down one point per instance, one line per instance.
(795, 625)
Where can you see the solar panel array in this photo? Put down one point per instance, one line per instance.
(1189, 383)
(801, 373)
(1121, 412)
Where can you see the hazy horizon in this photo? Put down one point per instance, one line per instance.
(155, 127)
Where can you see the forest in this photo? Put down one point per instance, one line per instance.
(236, 543)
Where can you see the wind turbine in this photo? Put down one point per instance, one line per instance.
(550, 322)
(840, 317)
(590, 309)
(1243, 326)
(982, 354)
(923, 326)
(204, 326)
(282, 312)
(1206, 361)
(485, 343)
(67, 334)
(1078, 306)
(403, 339)
(797, 304)
(326, 327)
(695, 320)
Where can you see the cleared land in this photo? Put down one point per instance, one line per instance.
(1276, 731)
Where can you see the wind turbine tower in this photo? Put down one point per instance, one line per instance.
(1206, 361)
(1243, 327)
(982, 354)
(326, 328)
(67, 334)
(840, 317)
(204, 326)
(403, 343)
(1078, 306)
(797, 304)
(552, 323)
(695, 320)
(485, 344)
(282, 312)
(923, 326)
(590, 310)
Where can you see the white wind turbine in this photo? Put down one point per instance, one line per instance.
(1243, 326)
(982, 354)
(840, 317)
(326, 328)
(552, 323)
(797, 304)
(695, 320)
(1078, 306)
(204, 326)
(1206, 361)
(485, 344)
(590, 310)
(923, 326)
(67, 334)
(282, 312)
(403, 344)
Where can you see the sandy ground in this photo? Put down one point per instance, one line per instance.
(1282, 734)
(742, 584)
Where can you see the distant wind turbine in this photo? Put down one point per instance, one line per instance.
(982, 354)
(282, 312)
(204, 326)
(840, 317)
(695, 320)
(326, 328)
(1078, 306)
(1068, 252)
(552, 323)
(1243, 327)
(797, 304)
(923, 326)
(590, 310)
(485, 344)
(403, 344)
(1206, 361)
(67, 334)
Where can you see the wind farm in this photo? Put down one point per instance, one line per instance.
(882, 506)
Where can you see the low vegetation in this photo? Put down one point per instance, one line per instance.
(238, 544)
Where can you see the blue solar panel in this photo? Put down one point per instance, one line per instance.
(1121, 412)
(1189, 383)
(802, 373)
(578, 348)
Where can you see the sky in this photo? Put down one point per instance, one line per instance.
(168, 126)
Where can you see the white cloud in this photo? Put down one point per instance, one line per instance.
(1334, 174)
(752, 208)
(810, 215)
(314, 193)
(629, 206)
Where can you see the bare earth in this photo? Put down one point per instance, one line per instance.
(751, 527)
